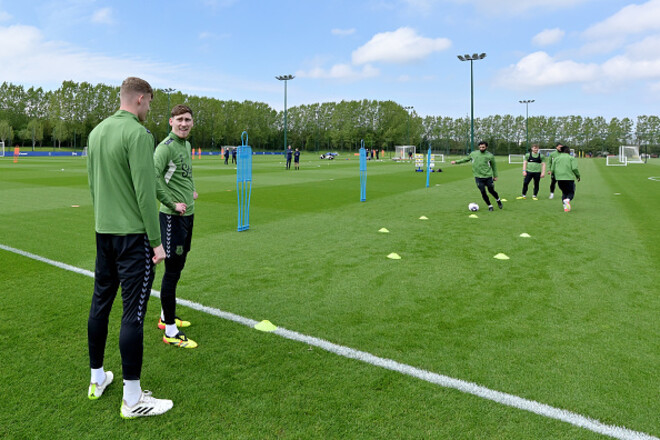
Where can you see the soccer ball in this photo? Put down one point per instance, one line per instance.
(473, 207)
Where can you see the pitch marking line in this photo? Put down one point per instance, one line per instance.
(389, 364)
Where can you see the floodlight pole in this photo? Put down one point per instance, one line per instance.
(408, 108)
(285, 78)
(471, 58)
(169, 109)
(527, 102)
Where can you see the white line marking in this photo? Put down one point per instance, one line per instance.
(389, 364)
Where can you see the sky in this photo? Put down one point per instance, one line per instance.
(572, 57)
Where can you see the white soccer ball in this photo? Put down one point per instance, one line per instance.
(473, 207)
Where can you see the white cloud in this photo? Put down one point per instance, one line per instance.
(5, 16)
(340, 71)
(401, 46)
(517, 7)
(539, 69)
(31, 59)
(548, 37)
(630, 20)
(103, 16)
(343, 32)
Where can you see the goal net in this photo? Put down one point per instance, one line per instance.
(545, 152)
(516, 158)
(616, 161)
(2, 149)
(629, 154)
(402, 152)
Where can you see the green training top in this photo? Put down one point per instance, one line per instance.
(565, 167)
(534, 167)
(173, 165)
(483, 164)
(120, 169)
(552, 157)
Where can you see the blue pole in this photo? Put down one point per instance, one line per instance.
(363, 172)
(244, 182)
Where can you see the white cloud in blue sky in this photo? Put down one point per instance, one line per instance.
(548, 37)
(602, 56)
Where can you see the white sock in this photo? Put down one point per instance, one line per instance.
(132, 392)
(162, 315)
(171, 330)
(98, 376)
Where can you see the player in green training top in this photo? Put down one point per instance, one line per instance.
(533, 169)
(485, 172)
(120, 167)
(551, 159)
(565, 170)
(176, 193)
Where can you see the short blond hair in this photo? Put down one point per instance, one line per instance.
(135, 86)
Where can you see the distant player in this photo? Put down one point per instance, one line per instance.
(289, 155)
(296, 159)
(551, 159)
(533, 169)
(485, 172)
(565, 170)
(176, 193)
(121, 178)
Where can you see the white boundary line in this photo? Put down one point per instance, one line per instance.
(389, 364)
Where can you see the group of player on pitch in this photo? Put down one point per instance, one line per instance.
(561, 166)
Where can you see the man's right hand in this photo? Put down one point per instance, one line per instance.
(180, 208)
(159, 254)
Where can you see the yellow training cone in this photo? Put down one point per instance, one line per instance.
(525, 235)
(473, 216)
(265, 326)
(383, 230)
(423, 217)
(501, 256)
(504, 200)
(394, 256)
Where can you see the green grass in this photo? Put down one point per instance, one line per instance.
(571, 320)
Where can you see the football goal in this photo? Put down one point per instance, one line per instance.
(545, 152)
(2, 149)
(616, 161)
(403, 152)
(629, 154)
(516, 158)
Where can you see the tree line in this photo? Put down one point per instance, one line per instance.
(64, 118)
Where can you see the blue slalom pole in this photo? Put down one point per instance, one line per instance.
(363, 172)
(428, 166)
(244, 182)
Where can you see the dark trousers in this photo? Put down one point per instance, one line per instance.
(120, 261)
(553, 182)
(567, 188)
(288, 162)
(486, 183)
(176, 233)
(528, 178)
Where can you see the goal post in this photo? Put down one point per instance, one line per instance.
(2, 149)
(402, 152)
(630, 154)
(616, 161)
(516, 158)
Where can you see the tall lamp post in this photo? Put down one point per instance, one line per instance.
(167, 116)
(285, 78)
(407, 109)
(527, 102)
(471, 58)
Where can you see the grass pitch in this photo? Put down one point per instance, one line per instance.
(571, 320)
